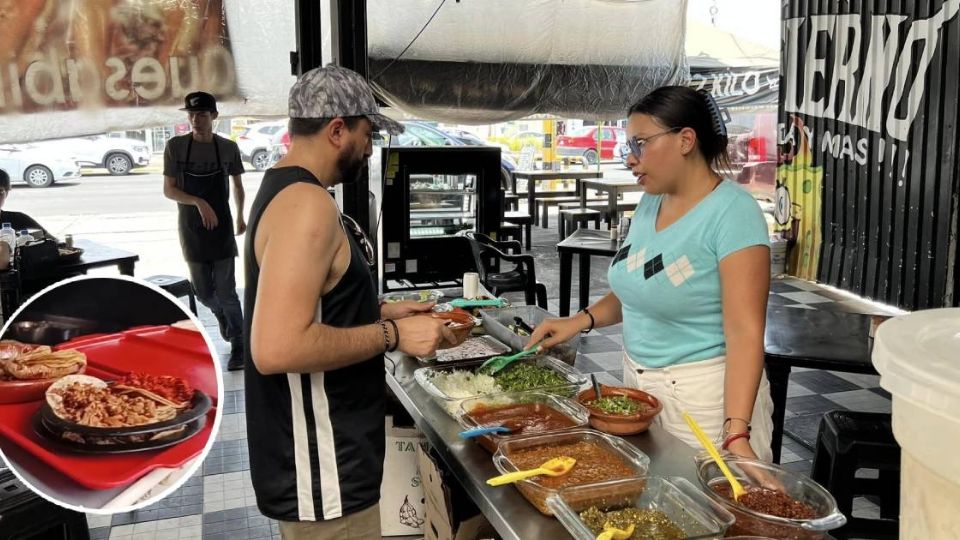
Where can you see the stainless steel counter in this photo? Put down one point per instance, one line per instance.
(509, 513)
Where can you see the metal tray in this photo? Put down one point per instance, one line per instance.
(474, 348)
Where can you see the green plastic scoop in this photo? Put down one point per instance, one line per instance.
(497, 363)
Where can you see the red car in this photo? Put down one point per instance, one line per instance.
(581, 144)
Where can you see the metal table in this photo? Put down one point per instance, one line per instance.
(816, 339)
(99, 255)
(533, 177)
(509, 513)
(582, 242)
(613, 188)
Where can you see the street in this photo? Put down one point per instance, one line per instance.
(131, 213)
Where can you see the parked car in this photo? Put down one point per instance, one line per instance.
(118, 155)
(581, 144)
(515, 142)
(622, 151)
(36, 166)
(423, 134)
(256, 141)
(416, 134)
(753, 150)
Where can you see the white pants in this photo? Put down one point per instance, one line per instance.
(697, 388)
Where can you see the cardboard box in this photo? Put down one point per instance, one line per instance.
(402, 506)
(450, 514)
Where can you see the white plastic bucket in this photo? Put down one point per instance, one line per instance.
(918, 357)
(778, 256)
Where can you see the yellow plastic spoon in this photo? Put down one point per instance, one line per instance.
(554, 467)
(738, 490)
(612, 533)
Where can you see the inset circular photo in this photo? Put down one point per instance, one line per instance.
(108, 394)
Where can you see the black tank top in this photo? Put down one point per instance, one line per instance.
(316, 440)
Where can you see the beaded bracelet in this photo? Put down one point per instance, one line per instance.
(396, 335)
(386, 335)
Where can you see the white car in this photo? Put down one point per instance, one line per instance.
(36, 166)
(257, 141)
(119, 155)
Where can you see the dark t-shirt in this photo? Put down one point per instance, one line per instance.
(203, 157)
(19, 220)
(202, 169)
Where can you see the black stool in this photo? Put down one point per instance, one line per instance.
(511, 201)
(26, 516)
(177, 286)
(511, 231)
(523, 219)
(574, 217)
(849, 441)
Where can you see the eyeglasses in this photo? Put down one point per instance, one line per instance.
(636, 145)
(361, 238)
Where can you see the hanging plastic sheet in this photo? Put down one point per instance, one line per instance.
(487, 61)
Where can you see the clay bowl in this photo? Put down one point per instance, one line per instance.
(621, 424)
(459, 322)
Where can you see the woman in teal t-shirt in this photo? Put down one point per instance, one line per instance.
(690, 283)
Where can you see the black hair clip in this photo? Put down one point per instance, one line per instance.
(716, 117)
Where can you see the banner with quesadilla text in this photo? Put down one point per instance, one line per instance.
(63, 55)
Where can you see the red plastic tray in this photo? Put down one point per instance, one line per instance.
(159, 350)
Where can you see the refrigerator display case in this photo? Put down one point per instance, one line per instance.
(431, 195)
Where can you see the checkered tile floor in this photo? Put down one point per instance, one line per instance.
(218, 502)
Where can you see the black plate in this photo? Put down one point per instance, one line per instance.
(46, 432)
(199, 406)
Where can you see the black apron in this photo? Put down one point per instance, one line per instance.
(200, 244)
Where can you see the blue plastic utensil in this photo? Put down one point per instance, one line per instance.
(476, 432)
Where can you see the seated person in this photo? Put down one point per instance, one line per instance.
(17, 220)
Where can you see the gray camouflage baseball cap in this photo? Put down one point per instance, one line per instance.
(333, 91)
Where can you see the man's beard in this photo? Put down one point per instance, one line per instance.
(350, 168)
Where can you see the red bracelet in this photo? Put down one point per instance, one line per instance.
(735, 436)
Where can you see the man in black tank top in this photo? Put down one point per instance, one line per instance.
(315, 332)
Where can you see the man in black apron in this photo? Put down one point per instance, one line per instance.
(196, 167)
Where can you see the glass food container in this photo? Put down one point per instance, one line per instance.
(750, 523)
(572, 410)
(636, 461)
(684, 505)
(425, 376)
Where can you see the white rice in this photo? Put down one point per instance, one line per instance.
(459, 384)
